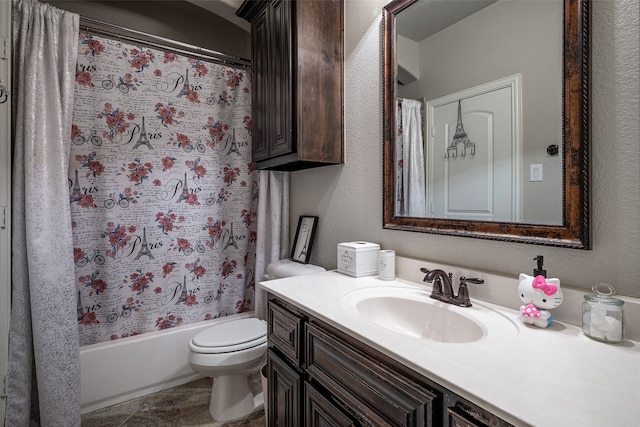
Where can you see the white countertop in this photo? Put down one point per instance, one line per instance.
(539, 377)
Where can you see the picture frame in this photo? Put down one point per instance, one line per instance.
(303, 241)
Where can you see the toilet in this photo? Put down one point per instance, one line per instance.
(233, 352)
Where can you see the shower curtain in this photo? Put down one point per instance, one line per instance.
(43, 381)
(163, 196)
(273, 229)
(79, 175)
(411, 196)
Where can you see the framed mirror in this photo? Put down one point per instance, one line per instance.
(502, 147)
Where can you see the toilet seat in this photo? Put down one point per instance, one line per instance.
(230, 336)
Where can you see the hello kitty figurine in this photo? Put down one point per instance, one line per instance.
(539, 295)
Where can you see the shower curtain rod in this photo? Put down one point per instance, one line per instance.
(127, 34)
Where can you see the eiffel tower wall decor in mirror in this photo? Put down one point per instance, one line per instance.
(163, 197)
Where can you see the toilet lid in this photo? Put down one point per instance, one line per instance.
(232, 333)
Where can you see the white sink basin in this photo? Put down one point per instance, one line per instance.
(412, 313)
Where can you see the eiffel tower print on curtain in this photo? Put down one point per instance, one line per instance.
(76, 194)
(232, 239)
(186, 88)
(185, 190)
(143, 140)
(144, 249)
(79, 305)
(183, 294)
(233, 148)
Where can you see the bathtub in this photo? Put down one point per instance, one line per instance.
(116, 371)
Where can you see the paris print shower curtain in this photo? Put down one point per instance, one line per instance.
(163, 197)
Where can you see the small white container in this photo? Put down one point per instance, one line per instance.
(358, 259)
(387, 265)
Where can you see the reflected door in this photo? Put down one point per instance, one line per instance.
(482, 186)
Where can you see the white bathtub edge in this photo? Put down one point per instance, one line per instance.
(132, 367)
(114, 400)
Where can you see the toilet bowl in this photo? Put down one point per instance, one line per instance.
(232, 353)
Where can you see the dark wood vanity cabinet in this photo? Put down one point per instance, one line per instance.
(372, 393)
(285, 392)
(320, 376)
(297, 82)
(320, 411)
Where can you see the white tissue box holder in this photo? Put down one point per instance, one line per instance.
(358, 259)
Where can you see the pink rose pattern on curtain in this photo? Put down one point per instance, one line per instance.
(163, 197)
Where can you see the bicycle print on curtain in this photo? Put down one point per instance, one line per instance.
(163, 197)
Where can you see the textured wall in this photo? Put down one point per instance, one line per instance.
(348, 198)
(172, 19)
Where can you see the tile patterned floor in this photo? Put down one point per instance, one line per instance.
(186, 405)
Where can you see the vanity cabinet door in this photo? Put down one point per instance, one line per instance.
(260, 87)
(281, 103)
(320, 412)
(370, 391)
(284, 394)
(271, 73)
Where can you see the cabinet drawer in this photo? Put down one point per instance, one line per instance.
(468, 415)
(284, 332)
(374, 393)
(457, 420)
(321, 412)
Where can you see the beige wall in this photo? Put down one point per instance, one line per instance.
(175, 20)
(348, 198)
(408, 58)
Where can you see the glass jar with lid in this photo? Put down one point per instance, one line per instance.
(602, 315)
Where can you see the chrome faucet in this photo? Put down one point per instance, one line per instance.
(443, 289)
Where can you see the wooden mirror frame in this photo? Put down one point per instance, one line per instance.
(574, 231)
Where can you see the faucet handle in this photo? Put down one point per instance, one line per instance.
(425, 271)
(474, 280)
(462, 299)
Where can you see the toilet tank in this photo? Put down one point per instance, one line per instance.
(288, 268)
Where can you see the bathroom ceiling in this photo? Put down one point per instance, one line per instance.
(427, 17)
(225, 9)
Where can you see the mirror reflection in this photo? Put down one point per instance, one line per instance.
(479, 111)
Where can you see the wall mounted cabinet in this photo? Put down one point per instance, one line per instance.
(297, 82)
(320, 376)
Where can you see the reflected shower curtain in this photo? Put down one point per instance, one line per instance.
(43, 382)
(163, 195)
(410, 160)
